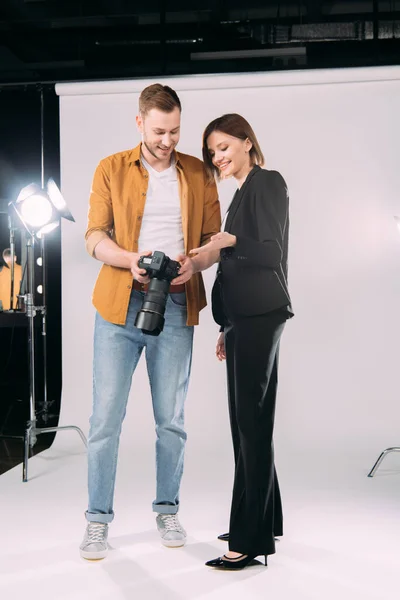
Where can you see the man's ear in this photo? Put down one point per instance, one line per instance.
(139, 122)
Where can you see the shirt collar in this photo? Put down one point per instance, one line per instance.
(136, 154)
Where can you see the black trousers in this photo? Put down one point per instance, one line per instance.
(252, 348)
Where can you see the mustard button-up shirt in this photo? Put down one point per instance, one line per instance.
(116, 208)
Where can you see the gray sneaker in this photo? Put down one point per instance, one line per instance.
(94, 545)
(171, 531)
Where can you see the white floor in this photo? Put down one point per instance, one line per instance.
(342, 538)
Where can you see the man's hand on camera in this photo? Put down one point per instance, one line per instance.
(186, 271)
(139, 274)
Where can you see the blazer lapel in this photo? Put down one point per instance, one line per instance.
(237, 199)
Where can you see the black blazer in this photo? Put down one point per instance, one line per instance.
(252, 276)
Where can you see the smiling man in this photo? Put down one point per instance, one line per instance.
(142, 200)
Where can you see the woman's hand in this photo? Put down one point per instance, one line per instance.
(220, 349)
(223, 239)
(186, 271)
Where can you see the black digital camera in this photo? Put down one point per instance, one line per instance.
(161, 270)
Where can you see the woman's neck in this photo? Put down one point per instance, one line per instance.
(241, 175)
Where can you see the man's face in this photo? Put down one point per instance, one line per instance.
(160, 131)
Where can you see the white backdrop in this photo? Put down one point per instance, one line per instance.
(334, 136)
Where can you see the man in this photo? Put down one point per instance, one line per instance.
(5, 281)
(146, 199)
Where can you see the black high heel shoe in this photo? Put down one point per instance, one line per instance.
(233, 564)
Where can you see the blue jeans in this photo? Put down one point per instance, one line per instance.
(117, 349)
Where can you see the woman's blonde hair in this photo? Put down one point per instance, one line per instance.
(236, 126)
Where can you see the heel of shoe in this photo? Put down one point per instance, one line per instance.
(266, 560)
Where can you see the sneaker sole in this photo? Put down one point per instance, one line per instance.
(94, 555)
(173, 543)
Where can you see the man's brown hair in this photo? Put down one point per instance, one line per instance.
(236, 126)
(158, 96)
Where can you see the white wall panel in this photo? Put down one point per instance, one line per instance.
(334, 135)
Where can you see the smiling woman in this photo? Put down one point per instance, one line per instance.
(251, 304)
(229, 147)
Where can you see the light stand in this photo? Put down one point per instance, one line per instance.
(46, 404)
(39, 212)
(12, 267)
(394, 448)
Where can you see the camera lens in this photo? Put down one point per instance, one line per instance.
(162, 270)
(150, 318)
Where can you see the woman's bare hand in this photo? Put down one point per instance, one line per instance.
(220, 349)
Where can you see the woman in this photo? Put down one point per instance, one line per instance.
(251, 303)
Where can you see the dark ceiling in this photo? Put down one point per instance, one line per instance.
(58, 40)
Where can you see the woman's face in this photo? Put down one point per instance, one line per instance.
(229, 154)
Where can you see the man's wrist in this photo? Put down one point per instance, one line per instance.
(131, 257)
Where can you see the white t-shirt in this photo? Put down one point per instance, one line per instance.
(224, 220)
(161, 227)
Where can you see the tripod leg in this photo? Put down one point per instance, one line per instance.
(380, 459)
(64, 428)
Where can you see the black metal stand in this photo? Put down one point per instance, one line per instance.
(12, 265)
(32, 431)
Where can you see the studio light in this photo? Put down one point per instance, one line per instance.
(36, 209)
(39, 211)
(57, 199)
